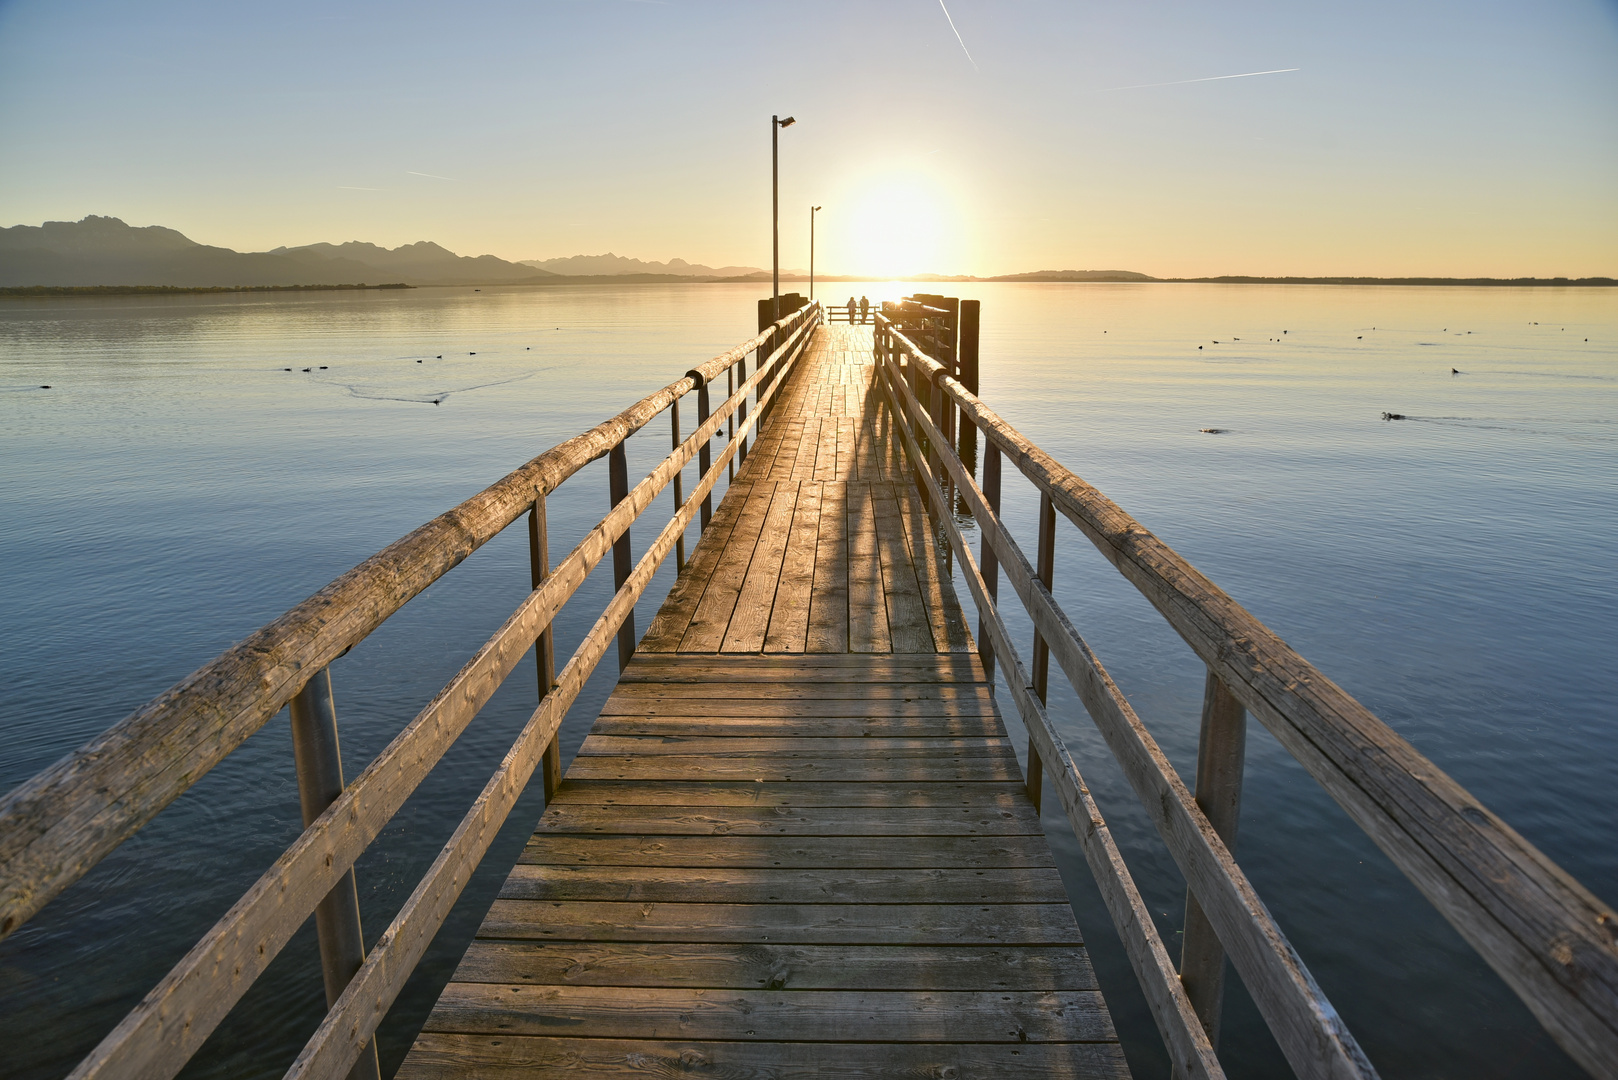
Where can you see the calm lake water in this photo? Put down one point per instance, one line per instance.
(175, 488)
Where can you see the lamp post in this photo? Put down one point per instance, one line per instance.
(776, 124)
(812, 211)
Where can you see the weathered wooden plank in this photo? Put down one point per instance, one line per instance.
(802, 852)
(750, 793)
(867, 607)
(751, 617)
(804, 727)
(828, 603)
(674, 616)
(629, 696)
(789, 618)
(807, 924)
(436, 1056)
(933, 1017)
(713, 611)
(826, 452)
(900, 768)
(739, 706)
(845, 449)
(803, 821)
(846, 667)
(943, 606)
(909, 627)
(742, 885)
(779, 966)
(596, 745)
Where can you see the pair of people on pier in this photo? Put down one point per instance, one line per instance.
(864, 309)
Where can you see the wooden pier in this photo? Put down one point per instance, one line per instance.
(797, 840)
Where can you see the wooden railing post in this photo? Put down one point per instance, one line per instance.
(539, 562)
(971, 314)
(622, 562)
(679, 487)
(319, 765)
(741, 410)
(705, 453)
(1221, 756)
(1045, 567)
(988, 560)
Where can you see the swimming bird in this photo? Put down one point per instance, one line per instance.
(1454, 371)
(308, 369)
(44, 386)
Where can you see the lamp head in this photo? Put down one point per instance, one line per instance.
(788, 122)
(814, 208)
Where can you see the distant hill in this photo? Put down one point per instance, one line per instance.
(421, 263)
(1074, 275)
(617, 266)
(106, 251)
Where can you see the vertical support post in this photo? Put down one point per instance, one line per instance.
(679, 487)
(988, 561)
(319, 763)
(705, 454)
(971, 315)
(741, 410)
(1221, 759)
(1046, 569)
(730, 425)
(618, 485)
(539, 561)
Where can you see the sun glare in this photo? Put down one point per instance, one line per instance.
(900, 224)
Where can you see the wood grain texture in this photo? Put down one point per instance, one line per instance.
(754, 885)
(933, 1017)
(779, 821)
(778, 966)
(826, 924)
(438, 1056)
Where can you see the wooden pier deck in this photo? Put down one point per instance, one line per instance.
(797, 840)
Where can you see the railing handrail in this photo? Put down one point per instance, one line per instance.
(57, 825)
(1548, 936)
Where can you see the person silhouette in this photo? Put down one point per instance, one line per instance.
(850, 309)
(865, 310)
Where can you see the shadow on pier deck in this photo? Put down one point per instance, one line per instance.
(797, 840)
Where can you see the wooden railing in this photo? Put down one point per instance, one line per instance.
(58, 825)
(1545, 934)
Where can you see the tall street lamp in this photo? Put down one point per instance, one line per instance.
(776, 124)
(812, 211)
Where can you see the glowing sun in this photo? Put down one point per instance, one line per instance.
(900, 223)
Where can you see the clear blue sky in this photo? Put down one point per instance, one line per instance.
(1416, 137)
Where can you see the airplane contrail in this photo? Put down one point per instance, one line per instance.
(431, 176)
(974, 63)
(1182, 82)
